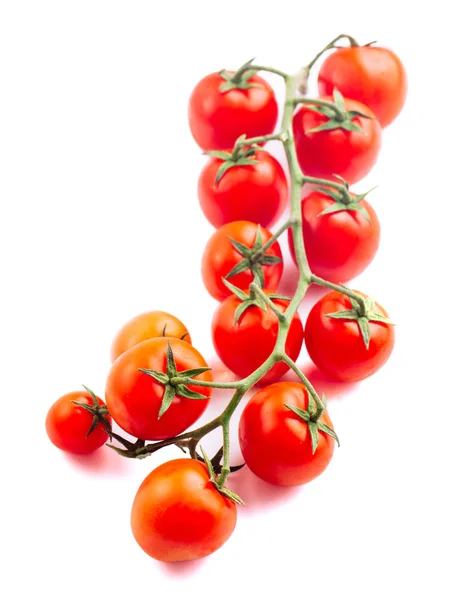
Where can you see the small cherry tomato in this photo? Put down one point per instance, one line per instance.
(337, 345)
(372, 75)
(339, 245)
(276, 442)
(75, 429)
(178, 514)
(232, 247)
(147, 326)
(217, 118)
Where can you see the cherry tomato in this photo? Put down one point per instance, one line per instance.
(220, 257)
(245, 345)
(68, 425)
(374, 76)
(253, 192)
(146, 326)
(217, 118)
(336, 346)
(276, 443)
(339, 245)
(178, 514)
(349, 154)
(134, 398)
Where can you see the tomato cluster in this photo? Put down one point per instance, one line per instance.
(159, 384)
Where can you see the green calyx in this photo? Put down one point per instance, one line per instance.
(99, 413)
(214, 480)
(239, 157)
(250, 299)
(312, 417)
(174, 381)
(362, 313)
(343, 200)
(338, 117)
(240, 80)
(254, 259)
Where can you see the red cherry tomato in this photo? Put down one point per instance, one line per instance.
(178, 514)
(134, 398)
(68, 425)
(374, 76)
(220, 257)
(339, 245)
(349, 154)
(217, 118)
(254, 192)
(336, 346)
(245, 345)
(147, 326)
(276, 443)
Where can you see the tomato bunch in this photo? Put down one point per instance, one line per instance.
(159, 384)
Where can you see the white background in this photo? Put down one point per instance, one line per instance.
(100, 221)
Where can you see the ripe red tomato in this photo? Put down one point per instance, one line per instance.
(245, 345)
(336, 346)
(349, 154)
(68, 425)
(220, 257)
(134, 398)
(147, 326)
(217, 118)
(178, 514)
(374, 76)
(339, 245)
(252, 192)
(276, 443)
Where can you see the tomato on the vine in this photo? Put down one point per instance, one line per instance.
(220, 112)
(178, 514)
(372, 75)
(341, 242)
(134, 398)
(245, 345)
(276, 443)
(324, 153)
(147, 326)
(344, 344)
(250, 189)
(73, 423)
(235, 249)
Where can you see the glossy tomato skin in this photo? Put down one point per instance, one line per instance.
(67, 425)
(349, 154)
(217, 118)
(336, 345)
(220, 257)
(338, 245)
(256, 193)
(276, 443)
(244, 346)
(147, 326)
(372, 75)
(134, 398)
(178, 514)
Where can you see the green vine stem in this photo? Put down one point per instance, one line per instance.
(190, 439)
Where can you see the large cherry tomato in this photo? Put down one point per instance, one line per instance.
(349, 154)
(220, 257)
(134, 398)
(336, 346)
(250, 192)
(146, 326)
(68, 425)
(374, 76)
(178, 514)
(276, 442)
(245, 345)
(217, 118)
(339, 245)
